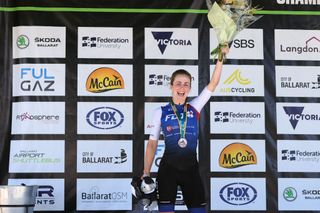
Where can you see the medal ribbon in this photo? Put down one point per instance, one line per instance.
(182, 120)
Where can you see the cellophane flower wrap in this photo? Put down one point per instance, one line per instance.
(228, 18)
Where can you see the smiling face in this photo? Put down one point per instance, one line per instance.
(180, 87)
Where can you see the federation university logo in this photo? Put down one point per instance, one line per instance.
(294, 114)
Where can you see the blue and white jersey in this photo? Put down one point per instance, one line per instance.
(166, 121)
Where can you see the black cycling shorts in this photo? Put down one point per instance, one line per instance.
(189, 180)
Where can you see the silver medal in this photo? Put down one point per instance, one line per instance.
(182, 142)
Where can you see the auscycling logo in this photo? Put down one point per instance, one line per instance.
(236, 77)
(164, 39)
(22, 41)
(299, 2)
(312, 46)
(295, 115)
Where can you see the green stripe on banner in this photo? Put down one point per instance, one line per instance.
(142, 10)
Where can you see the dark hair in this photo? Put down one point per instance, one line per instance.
(180, 72)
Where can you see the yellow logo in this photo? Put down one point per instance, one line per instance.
(237, 154)
(104, 79)
(236, 76)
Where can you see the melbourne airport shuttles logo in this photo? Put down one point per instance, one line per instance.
(104, 79)
(236, 155)
(290, 194)
(22, 41)
(238, 194)
(164, 39)
(105, 118)
(34, 157)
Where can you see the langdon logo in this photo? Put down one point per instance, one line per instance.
(105, 118)
(88, 157)
(22, 41)
(104, 79)
(312, 46)
(164, 39)
(238, 194)
(237, 155)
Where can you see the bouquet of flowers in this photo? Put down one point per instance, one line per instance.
(228, 18)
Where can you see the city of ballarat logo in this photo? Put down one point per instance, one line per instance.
(122, 158)
(288, 83)
(22, 41)
(294, 114)
(237, 155)
(104, 79)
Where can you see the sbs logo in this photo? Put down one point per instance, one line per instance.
(238, 194)
(237, 155)
(105, 118)
(104, 79)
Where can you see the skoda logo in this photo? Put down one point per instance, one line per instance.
(22, 42)
(289, 194)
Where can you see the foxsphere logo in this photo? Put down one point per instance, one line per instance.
(45, 118)
(22, 41)
(105, 118)
(290, 194)
(164, 39)
(238, 194)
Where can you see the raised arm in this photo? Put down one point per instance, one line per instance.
(215, 78)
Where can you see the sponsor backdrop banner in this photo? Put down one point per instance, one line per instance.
(80, 80)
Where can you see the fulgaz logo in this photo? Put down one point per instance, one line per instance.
(236, 155)
(238, 194)
(290, 194)
(22, 41)
(105, 118)
(34, 79)
(164, 39)
(104, 79)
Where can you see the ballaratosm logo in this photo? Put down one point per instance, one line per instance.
(105, 118)
(104, 79)
(238, 194)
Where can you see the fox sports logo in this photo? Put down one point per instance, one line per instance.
(105, 118)
(238, 194)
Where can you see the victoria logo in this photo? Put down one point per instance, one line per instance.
(104, 79)
(164, 39)
(238, 194)
(237, 155)
(294, 114)
(22, 41)
(105, 118)
(290, 194)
